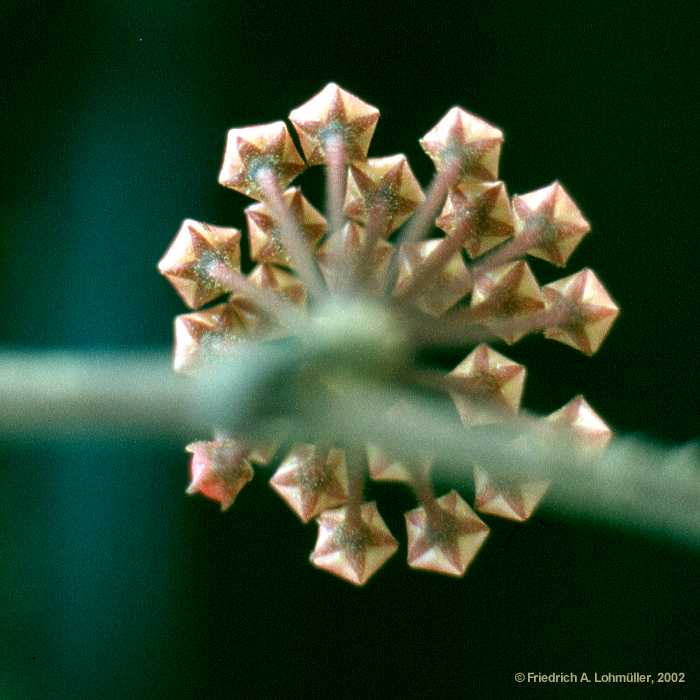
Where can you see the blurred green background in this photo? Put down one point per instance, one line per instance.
(114, 584)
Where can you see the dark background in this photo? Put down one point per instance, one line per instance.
(116, 585)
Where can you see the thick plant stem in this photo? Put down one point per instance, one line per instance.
(634, 483)
(52, 395)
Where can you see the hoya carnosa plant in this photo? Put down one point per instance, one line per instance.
(376, 255)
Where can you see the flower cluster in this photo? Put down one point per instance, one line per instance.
(376, 242)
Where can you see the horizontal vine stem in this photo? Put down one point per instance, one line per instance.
(62, 394)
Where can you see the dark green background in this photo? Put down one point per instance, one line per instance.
(116, 585)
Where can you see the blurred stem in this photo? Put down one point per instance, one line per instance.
(256, 393)
(63, 394)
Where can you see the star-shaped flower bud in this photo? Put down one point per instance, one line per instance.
(256, 321)
(480, 214)
(508, 498)
(588, 430)
(588, 312)
(461, 136)
(312, 480)
(451, 284)
(264, 231)
(254, 149)
(384, 467)
(188, 261)
(202, 335)
(334, 113)
(350, 549)
(485, 386)
(335, 261)
(219, 470)
(502, 299)
(549, 219)
(446, 538)
(386, 184)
